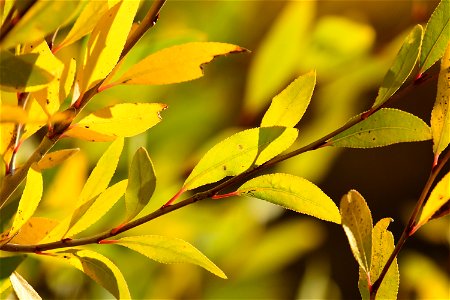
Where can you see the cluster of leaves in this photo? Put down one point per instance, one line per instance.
(51, 92)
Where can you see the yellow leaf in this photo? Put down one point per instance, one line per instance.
(88, 135)
(53, 159)
(22, 288)
(29, 201)
(13, 114)
(121, 120)
(176, 64)
(36, 113)
(34, 231)
(106, 43)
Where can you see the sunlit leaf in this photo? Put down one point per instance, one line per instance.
(141, 183)
(36, 117)
(33, 231)
(277, 60)
(385, 127)
(86, 134)
(357, 224)
(294, 193)
(440, 116)
(176, 64)
(98, 268)
(402, 66)
(50, 15)
(29, 201)
(288, 107)
(436, 36)
(106, 43)
(438, 197)
(104, 170)
(121, 120)
(53, 159)
(13, 114)
(22, 288)
(169, 250)
(238, 153)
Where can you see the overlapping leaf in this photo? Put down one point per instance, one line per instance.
(33, 231)
(53, 159)
(22, 288)
(436, 36)
(402, 66)
(385, 127)
(294, 193)
(357, 224)
(239, 152)
(288, 107)
(176, 64)
(98, 268)
(169, 250)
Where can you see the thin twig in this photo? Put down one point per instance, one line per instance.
(22, 101)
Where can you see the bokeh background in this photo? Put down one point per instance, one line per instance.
(267, 252)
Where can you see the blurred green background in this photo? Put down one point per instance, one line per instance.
(267, 252)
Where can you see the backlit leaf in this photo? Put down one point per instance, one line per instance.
(357, 224)
(13, 114)
(22, 288)
(294, 193)
(385, 127)
(238, 153)
(402, 66)
(34, 231)
(91, 211)
(176, 64)
(29, 201)
(121, 120)
(436, 36)
(141, 183)
(104, 170)
(106, 43)
(169, 250)
(438, 197)
(9, 264)
(98, 268)
(288, 107)
(440, 116)
(53, 159)
(86, 134)
(50, 15)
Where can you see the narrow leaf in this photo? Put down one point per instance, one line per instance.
(53, 159)
(86, 134)
(436, 36)
(122, 120)
(106, 43)
(98, 268)
(104, 170)
(385, 127)
(238, 153)
(34, 231)
(402, 66)
(357, 224)
(13, 114)
(176, 64)
(9, 264)
(22, 288)
(141, 183)
(440, 116)
(288, 107)
(29, 201)
(438, 198)
(294, 193)
(169, 250)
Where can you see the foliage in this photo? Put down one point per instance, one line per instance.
(58, 61)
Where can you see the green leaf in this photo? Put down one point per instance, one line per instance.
(9, 264)
(141, 183)
(19, 73)
(22, 288)
(357, 224)
(385, 127)
(91, 211)
(104, 170)
(382, 247)
(438, 198)
(402, 66)
(276, 60)
(288, 107)
(42, 18)
(169, 250)
(106, 43)
(238, 153)
(436, 36)
(29, 201)
(97, 267)
(294, 193)
(440, 116)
